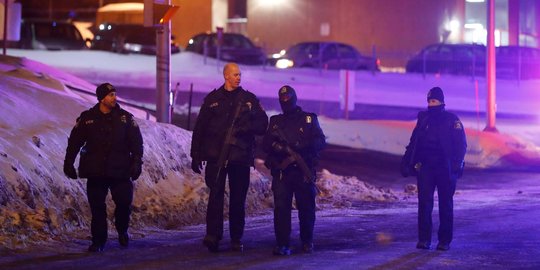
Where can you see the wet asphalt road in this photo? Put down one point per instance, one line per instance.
(496, 227)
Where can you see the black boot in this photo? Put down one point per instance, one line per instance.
(123, 239)
(237, 245)
(96, 247)
(281, 251)
(211, 244)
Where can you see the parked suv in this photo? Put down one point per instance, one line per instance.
(234, 47)
(512, 62)
(518, 62)
(127, 38)
(330, 55)
(450, 58)
(50, 35)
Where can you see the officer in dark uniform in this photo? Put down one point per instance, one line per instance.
(435, 154)
(293, 131)
(111, 158)
(229, 106)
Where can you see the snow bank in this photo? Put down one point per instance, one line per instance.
(38, 203)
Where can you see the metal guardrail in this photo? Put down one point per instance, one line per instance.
(146, 110)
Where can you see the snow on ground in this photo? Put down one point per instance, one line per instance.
(38, 203)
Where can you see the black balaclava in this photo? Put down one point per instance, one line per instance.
(287, 99)
(436, 93)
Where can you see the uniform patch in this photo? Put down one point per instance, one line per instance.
(249, 105)
(283, 90)
(87, 122)
(308, 119)
(213, 105)
(123, 118)
(458, 125)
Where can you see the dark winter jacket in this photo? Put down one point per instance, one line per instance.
(215, 118)
(110, 143)
(438, 135)
(303, 134)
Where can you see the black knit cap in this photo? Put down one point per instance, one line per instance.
(103, 90)
(436, 93)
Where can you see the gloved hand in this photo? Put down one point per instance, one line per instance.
(70, 171)
(279, 147)
(135, 169)
(196, 166)
(404, 168)
(457, 168)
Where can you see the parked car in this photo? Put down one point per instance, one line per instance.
(50, 35)
(234, 48)
(449, 58)
(512, 62)
(127, 38)
(518, 62)
(330, 55)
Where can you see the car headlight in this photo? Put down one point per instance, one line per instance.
(284, 63)
(132, 47)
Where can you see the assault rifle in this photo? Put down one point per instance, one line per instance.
(294, 157)
(223, 159)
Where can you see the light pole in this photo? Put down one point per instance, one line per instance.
(491, 68)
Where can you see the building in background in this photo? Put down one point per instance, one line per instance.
(393, 30)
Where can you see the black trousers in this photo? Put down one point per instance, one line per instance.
(431, 176)
(122, 195)
(238, 187)
(284, 185)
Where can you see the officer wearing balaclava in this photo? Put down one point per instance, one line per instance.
(435, 156)
(293, 133)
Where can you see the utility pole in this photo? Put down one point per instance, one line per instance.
(4, 43)
(491, 68)
(163, 71)
(157, 14)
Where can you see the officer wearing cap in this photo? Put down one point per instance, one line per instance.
(435, 154)
(294, 132)
(111, 158)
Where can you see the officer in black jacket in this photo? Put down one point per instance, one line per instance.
(293, 131)
(435, 154)
(237, 112)
(112, 150)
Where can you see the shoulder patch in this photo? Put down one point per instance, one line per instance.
(213, 105)
(458, 125)
(123, 118)
(308, 119)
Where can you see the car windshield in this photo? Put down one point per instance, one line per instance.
(233, 41)
(57, 31)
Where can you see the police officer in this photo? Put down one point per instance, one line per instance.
(293, 132)
(111, 158)
(435, 155)
(229, 110)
